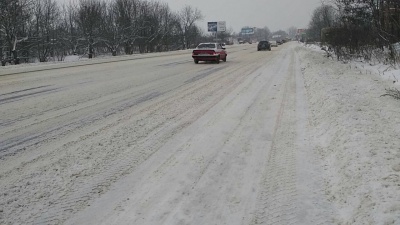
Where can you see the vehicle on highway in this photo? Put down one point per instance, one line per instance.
(263, 45)
(273, 43)
(209, 52)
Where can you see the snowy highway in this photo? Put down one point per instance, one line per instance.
(161, 140)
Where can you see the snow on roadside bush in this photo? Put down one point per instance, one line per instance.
(376, 65)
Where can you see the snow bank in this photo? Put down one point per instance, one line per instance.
(314, 47)
(73, 61)
(386, 72)
(356, 133)
(72, 58)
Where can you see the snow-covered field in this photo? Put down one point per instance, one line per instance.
(281, 137)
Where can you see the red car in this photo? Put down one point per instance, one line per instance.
(209, 52)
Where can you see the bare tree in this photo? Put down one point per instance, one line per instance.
(112, 33)
(170, 28)
(154, 19)
(89, 19)
(46, 19)
(363, 27)
(388, 19)
(127, 19)
(263, 33)
(292, 32)
(172, 32)
(68, 30)
(188, 17)
(14, 18)
(41, 29)
(322, 17)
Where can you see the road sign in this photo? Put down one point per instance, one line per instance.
(212, 26)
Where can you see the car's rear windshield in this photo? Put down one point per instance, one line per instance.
(206, 46)
(262, 42)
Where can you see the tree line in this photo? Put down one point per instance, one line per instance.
(357, 28)
(45, 30)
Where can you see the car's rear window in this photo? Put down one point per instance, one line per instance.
(206, 46)
(263, 42)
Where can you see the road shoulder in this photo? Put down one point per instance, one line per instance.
(355, 132)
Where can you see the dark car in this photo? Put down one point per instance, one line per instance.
(263, 45)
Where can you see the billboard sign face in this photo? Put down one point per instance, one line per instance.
(247, 30)
(212, 26)
(221, 26)
(301, 31)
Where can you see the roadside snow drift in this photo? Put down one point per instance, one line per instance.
(356, 132)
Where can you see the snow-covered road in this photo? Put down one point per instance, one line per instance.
(160, 140)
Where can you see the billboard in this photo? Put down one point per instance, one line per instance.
(212, 26)
(221, 26)
(301, 31)
(247, 30)
(217, 26)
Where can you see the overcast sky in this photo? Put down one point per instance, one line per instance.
(275, 14)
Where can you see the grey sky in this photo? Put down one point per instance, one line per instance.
(275, 14)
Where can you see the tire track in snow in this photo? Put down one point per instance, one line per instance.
(86, 186)
(128, 161)
(277, 199)
(65, 128)
(204, 164)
